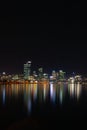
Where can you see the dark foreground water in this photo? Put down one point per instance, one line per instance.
(43, 106)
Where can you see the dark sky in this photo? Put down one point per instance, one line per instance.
(54, 39)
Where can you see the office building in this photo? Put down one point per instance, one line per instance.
(27, 70)
(61, 75)
(40, 73)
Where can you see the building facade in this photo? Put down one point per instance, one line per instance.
(27, 70)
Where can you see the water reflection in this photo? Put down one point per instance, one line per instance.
(61, 96)
(52, 93)
(3, 94)
(40, 93)
(45, 92)
(75, 90)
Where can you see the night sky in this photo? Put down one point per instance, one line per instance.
(54, 39)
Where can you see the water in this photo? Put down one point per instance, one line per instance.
(43, 106)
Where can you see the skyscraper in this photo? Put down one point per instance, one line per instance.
(61, 75)
(54, 74)
(27, 70)
(40, 73)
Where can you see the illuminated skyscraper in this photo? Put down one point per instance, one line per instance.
(45, 76)
(61, 75)
(27, 70)
(40, 73)
(54, 74)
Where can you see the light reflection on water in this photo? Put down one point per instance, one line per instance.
(3, 94)
(75, 90)
(34, 93)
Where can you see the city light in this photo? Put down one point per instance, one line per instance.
(39, 76)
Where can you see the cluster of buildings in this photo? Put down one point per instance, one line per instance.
(40, 75)
(34, 76)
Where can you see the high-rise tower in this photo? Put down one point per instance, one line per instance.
(27, 70)
(40, 73)
(61, 75)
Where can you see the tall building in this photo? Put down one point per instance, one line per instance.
(40, 73)
(61, 75)
(54, 74)
(45, 75)
(27, 70)
(35, 75)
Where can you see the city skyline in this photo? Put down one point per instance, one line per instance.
(40, 76)
(29, 68)
(43, 65)
(49, 39)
